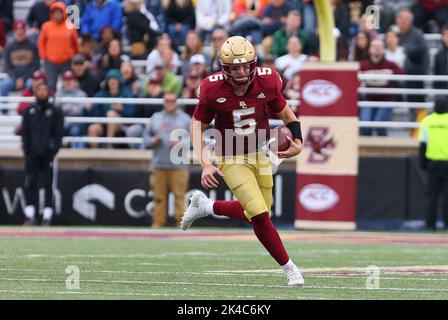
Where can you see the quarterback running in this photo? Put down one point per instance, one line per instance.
(238, 99)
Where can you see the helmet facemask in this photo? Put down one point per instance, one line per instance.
(226, 69)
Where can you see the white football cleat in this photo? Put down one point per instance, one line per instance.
(293, 275)
(199, 208)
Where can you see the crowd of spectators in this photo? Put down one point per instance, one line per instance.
(179, 40)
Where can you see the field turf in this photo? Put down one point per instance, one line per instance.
(203, 264)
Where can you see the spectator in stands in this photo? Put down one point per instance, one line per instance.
(155, 7)
(107, 34)
(170, 83)
(274, 16)
(219, 36)
(417, 56)
(99, 14)
(86, 44)
(198, 64)
(246, 19)
(388, 10)
(309, 16)
(193, 46)
(112, 59)
(341, 14)
(433, 157)
(57, 44)
(192, 83)
(21, 59)
(42, 131)
(165, 175)
(163, 54)
(441, 60)
(377, 64)
(131, 82)
(211, 15)
(3, 37)
(291, 63)
(292, 87)
(70, 89)
(292, 28)
(143, 29)
(37, 78)
(87, 80)
(113, 88)
(152, 89)
(179, 18)
(38, 15)
(359, 49)
(426, 12)
(7, 13)
(394, 52)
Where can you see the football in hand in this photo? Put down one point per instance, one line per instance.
(280, 143)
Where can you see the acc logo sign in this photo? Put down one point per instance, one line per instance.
(321, 93)
(318, 197)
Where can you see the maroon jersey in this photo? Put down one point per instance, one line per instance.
(243, 122)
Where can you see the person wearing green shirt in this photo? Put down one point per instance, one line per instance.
(292, 28)
(433, 158)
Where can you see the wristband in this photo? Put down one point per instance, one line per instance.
(294, 127)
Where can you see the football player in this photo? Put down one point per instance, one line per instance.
(238, 99)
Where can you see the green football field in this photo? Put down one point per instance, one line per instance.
(202, 264)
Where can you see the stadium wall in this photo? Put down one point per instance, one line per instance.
(389, 195)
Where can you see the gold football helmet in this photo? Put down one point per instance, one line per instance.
(237, 51)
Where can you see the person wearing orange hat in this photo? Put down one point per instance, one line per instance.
(58, 43)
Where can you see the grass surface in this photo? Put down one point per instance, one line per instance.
(202, 268)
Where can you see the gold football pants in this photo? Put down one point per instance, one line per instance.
(249, 177)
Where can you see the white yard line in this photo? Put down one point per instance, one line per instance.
(186, 283)
(122, 294)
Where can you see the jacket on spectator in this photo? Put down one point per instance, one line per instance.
(57, 43)
(97, 17)
(28, 93)
(89, 83)
(280, 42)
(101, 109)
(155, 7)
(383, 67)
(6, 12)
(38, 15)
(21, 59)
(441, 67)
(3, 37)
(42, 130)
(71, 109)
(205, 21)
(417, 54)
(174, 14)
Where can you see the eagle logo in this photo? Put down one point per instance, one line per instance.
(320, 143)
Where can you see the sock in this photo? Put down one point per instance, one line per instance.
(30, 212)
(288, 265)
(231, 209)
(269, 237)
(48, 213)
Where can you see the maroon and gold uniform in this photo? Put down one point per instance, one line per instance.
(242, 122)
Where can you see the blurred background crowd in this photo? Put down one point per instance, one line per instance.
(138, 48)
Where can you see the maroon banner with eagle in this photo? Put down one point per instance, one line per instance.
(327, 168)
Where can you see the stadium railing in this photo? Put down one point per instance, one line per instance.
(10, 102)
